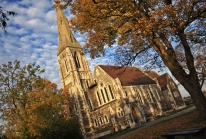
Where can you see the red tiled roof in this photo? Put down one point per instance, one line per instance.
(152, 74)
(162, 80)
(127, 75)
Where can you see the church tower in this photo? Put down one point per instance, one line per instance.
(74, 70)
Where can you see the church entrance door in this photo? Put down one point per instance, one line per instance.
(136, 114)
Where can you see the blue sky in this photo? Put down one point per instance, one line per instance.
(32, 37)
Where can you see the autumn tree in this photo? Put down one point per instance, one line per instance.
(148, 32)
(199, 54)
(48, 112)
(16, 82)
(31, 106)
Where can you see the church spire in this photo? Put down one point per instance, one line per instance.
(66, 38)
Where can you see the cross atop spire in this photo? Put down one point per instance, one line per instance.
(66, 38)
(59, 5)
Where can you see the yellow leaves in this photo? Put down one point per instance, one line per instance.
(128, 14)
(190, 120)
(124, 28)
(130, 19)
(104, 11)
(41, 103)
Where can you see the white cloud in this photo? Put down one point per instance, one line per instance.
(34, 12)
(51, 16)
(17, 31)
(34, 22)
(32, 36)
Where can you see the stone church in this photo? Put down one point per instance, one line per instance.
(116, 97)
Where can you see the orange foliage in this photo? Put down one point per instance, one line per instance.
(45, 95)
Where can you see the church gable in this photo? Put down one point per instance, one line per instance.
(101, 74)
(162, 80)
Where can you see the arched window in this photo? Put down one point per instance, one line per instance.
(106, 93)
(139, 97)
(66, 64)
(157, 94)
(87, 83)
(99, 99)
(106, 119)
(96, 122)
(126, 94)
(110, 90)
(120, 112)
(76, 59)
(103, 96)
(101, 120)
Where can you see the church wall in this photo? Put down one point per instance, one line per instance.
(102, 119)
(116, 109)
(112, 116)
(144, 95)
(155, 101)
(108, 88)
(170, 104)
(174, 93)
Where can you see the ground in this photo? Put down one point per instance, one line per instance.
(154, 131)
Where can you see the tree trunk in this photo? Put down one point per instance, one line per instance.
(189, 80)
(192, 85)
(199, 100)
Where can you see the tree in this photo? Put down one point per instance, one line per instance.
(148, 32)
(4, 18)
(199, 54)
(16, 82)
(48, 112)
(33, 107)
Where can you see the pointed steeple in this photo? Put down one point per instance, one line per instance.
(66, 38)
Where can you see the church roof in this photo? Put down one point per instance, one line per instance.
(162, 80)
(127, 75)
(152, 74)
